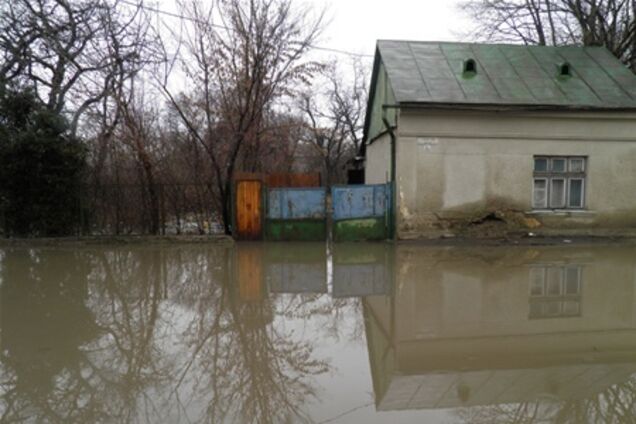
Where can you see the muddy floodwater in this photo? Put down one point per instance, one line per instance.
(295, 333)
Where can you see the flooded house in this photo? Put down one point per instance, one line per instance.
(530, 137)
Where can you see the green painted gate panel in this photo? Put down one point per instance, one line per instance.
(361, 212)
(296, 214)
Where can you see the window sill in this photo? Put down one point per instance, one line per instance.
(563, 212)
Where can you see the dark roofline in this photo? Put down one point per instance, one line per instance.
(374, 77)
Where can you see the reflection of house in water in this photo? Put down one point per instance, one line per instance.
(362, 272)
(493, 326)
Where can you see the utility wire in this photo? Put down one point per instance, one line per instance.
(199, 21)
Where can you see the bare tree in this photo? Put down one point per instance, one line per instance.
(335, 119)
(242, 66)
(609, 23)
(74, 54)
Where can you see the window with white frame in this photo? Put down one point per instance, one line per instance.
(559, 182)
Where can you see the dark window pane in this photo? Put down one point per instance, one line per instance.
(558, 165)
(576, 193)
(540, 165)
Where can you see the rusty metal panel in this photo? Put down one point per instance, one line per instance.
(248, 210)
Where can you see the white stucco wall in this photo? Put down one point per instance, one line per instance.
(454, 165)
(378, 166)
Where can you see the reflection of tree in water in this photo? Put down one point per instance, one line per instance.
(616, 404)
(149, 335)
(75, 351)
(44, 324)
(127, 289)
(244, 366)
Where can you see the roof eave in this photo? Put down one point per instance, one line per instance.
(513, 107)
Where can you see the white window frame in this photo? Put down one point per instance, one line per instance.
(567, 175)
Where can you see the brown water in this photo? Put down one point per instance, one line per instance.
(269, 333)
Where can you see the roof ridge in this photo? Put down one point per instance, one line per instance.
(479, 43)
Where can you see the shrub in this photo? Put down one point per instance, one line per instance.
(41, 168)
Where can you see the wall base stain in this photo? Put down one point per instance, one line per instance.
(510, 221)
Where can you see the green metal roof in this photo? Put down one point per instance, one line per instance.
(506, 75)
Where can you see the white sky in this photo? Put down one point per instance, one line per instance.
(355, 25)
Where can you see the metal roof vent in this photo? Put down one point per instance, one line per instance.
(470, 68)
(565, 70)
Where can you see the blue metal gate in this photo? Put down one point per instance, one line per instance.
(361, 212)
(296, 214)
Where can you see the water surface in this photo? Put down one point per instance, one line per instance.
(287, 333)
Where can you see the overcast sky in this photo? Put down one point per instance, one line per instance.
(356, 24)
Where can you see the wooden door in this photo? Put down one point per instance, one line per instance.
(248, 210)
